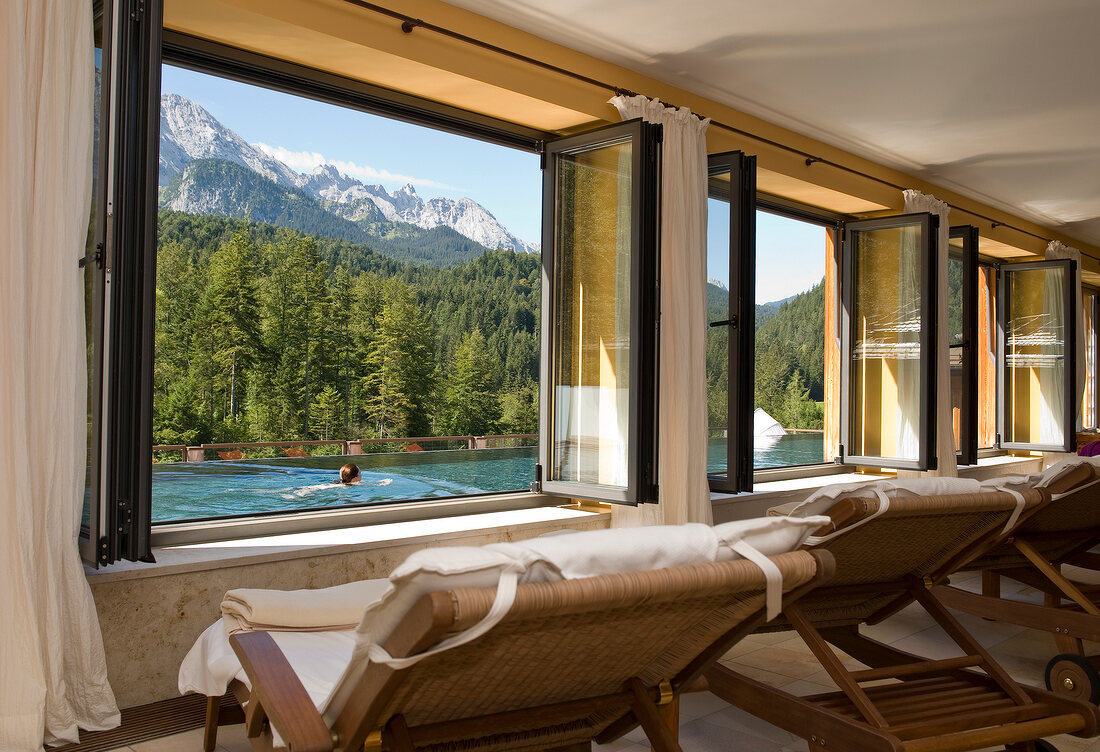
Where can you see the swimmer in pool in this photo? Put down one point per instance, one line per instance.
(349, 474)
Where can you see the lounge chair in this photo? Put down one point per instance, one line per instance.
(231, 454)
(1043, 550)
(295, 451)
(891, 545)
(569, 661)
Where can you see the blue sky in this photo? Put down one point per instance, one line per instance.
(302, 133)
(790, 255)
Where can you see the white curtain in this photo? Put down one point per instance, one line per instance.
(1058, 250)
(946, 463)
(53, 675)
(682, 418)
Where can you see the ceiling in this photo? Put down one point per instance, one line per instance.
(996, 99)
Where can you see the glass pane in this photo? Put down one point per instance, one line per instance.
(986, 351)
(789, 389)
(591, 373)
(1035, 356)
(90, 272)
(956, 337)
(718, 309)
(1088, 398)
(333, 283)
(884, 419)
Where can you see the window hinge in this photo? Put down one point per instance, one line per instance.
(839, 455)
(96, 258)
(125, 514)
(102, 548)
(542, 155)
(536, 486)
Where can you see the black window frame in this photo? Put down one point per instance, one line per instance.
(1094, 293)
(741, 323)
(967, 454)
(642, 477)
(1070, 347)
(123, 529)
(926, 433)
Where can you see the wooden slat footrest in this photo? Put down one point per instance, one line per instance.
(916, 669)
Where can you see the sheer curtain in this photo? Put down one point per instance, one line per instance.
(53, 675)
(946, 461)
(682, 418)
(1058, 250)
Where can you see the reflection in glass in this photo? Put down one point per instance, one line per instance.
(1035, 355)
(1088, 398)
(987, 356)
(886, 330)
(718, 337)
(956, 337)
(590, 388)
(90, 271)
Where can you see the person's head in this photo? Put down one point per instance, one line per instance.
(349, 473)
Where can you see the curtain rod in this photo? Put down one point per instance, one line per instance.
(409, 23)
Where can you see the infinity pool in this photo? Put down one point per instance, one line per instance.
(218, 489)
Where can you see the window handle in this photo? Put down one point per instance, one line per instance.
(728, 322)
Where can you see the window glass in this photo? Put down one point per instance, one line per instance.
(956, 338)
(1088, 398)
(890, 264)
(789, 394)
(1035, 355)
(337, 287)
(591, 375)
(987, 356)
(718, 337)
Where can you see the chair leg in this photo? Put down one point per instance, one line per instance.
(210, 732)
(661, 737)
(670, 715)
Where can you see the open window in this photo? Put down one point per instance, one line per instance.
(963, 340)
(118, 268)
(888, 336)
(1037, 322)
(731, 319)
(597, 427)
(1089, 403)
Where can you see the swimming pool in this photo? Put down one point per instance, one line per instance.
(196, 490)
(193, 490)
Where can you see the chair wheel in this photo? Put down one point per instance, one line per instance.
(1073, 676)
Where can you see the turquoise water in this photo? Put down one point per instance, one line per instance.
(218, 489)
(199, 490)
(792, 449)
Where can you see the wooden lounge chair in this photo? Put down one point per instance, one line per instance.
(296, 451)
(231, 454)
(1059, 534)
(886, 560)
(571, 662)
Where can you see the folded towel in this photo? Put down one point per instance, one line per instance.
(322, 610)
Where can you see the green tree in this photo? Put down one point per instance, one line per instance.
(470, 403)
(234, 312)
(326, 414)
(399, 365)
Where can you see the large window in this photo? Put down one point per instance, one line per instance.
(888, 355)
(319, 272)
(337, 287)
(1038, 380)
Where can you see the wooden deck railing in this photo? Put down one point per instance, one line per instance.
(347, 446)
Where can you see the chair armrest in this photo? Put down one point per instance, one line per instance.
(280, 693)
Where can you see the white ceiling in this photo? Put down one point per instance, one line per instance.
(996, 99)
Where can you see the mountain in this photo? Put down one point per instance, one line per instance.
(718, 296)
(228, 189)
(189, 133)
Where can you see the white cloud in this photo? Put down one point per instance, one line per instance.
(307, 161)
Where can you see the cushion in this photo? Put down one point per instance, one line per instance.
(1046, 478)
(821, 500)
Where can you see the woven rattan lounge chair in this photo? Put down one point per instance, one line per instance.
(886, 560)
(572, 661)
(1059, 534)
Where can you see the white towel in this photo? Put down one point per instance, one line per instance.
(321, 610)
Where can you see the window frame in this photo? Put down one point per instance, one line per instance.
(926, 433)
(131, 467)
(1094, 292)
(644, 356)
(967, 454)
(1069, 304)
(741, 309)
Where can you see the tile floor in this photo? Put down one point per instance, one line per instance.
(707, 724)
